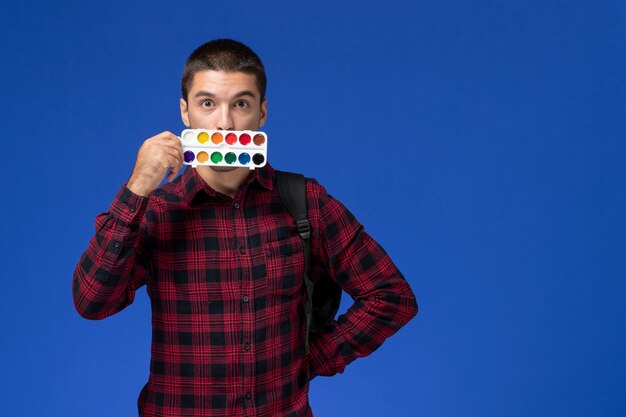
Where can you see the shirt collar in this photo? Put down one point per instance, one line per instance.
(192, 184)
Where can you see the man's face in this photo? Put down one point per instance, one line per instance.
(223, 100)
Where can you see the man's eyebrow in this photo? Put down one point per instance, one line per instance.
(203, 93)
(245, 93)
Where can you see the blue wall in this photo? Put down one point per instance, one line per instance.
(482, 143)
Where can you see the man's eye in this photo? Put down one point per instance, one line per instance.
(207, 103)
(242, 104)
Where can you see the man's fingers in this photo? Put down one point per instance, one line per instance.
(173, 153)
(172, 141)
(156, 155)
(174, 170)
(175, 150)
(167, 135)
(174, 163)
(173, 173)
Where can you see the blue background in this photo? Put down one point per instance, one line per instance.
(481, 142)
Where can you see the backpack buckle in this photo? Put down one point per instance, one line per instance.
(304, 228)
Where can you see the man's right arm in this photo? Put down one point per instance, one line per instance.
(115, 264)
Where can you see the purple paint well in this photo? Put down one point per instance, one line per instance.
(189, 156)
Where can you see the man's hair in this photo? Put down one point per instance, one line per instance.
(223, 55)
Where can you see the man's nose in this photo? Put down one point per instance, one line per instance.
(225, 120)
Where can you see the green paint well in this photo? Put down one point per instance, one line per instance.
(216, 157)
(230, 158)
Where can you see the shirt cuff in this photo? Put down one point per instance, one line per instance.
(326, 356)
(128, 206)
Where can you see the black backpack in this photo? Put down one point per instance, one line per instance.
(325, 294)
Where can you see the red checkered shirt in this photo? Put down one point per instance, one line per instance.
(226, 283)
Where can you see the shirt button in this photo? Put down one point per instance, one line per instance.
(117, 244)
(246, 298)
(246, 346)
(242, 250)
(133, 209)
(236, 205)
(248, 395)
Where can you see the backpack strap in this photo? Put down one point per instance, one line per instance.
(292, 192)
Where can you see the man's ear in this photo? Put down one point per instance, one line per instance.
(184, 112)
(263, 112)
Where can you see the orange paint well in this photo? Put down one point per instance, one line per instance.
(217, 138)
(202, 156)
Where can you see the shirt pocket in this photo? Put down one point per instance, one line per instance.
(284, 263)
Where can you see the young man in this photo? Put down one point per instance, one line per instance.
(224, 265)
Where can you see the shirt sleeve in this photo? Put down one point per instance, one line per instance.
(113, 266)
(383, 300)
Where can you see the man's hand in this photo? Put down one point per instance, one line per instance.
(155, 157)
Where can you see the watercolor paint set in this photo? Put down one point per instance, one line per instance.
(226, 148)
